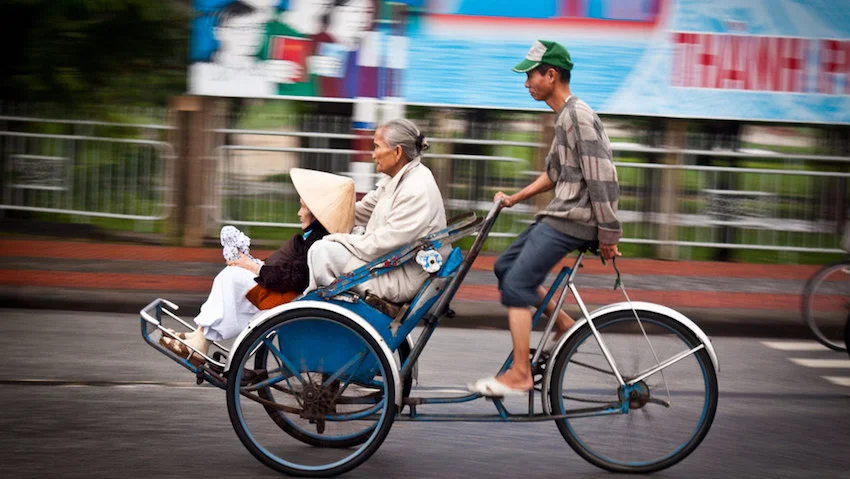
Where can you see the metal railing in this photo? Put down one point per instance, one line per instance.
(777, 201)
(697, 196)
(83, 174)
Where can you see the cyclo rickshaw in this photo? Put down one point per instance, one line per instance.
(313, 386)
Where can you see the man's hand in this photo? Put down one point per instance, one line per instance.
(245, 262)
(608, 251)
(507, 201)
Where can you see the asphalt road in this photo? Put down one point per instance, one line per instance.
(83, 396)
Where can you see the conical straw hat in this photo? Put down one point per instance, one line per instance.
(329, 197)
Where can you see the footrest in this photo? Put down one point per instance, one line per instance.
(153, 319)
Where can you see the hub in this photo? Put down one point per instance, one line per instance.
(636, 395)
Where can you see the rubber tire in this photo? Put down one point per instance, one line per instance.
(233, 395)
(563, 357)
(847, 334)
(813, 283)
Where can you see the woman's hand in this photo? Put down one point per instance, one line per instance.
(245, 262)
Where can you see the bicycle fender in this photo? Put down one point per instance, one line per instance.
(652, 308)
(271, 313)
(625, 306)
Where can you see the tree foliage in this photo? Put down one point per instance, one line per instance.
(93, 51)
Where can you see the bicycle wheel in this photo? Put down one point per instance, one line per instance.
(326, 382)
(847, 334)
(826, 302)
(664, 417)
(261, 358)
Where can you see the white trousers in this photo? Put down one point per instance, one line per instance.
(326, 261)
(227, 311)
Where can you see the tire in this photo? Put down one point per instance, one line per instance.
(847, 335)
(649, 436)
(826, 302)
(292, 429)
(341, 398)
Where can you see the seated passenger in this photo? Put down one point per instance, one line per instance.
(405, 206)
(245, 287)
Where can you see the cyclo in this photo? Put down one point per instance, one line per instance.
(313, 386)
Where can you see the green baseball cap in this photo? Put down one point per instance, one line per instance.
(544, 51)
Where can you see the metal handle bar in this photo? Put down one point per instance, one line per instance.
(443, 303)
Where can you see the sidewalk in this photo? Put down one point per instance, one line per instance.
(723, 298)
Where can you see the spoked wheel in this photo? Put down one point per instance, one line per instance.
(261, 360)
(322, 379)
(826, 303)
(657, 421)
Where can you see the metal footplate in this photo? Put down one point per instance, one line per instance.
(153, 329)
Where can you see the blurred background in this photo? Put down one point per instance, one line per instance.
(161, 121)
(132, 131)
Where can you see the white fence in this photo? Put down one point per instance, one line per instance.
(85, 175)
(774, 201)
(670, 197)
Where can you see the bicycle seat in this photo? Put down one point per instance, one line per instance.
(592, 248)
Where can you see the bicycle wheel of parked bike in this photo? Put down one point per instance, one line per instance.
(847, 334)
(651, 425)
(327, 382)
(826, 303)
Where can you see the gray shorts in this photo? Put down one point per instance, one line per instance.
(523, 267)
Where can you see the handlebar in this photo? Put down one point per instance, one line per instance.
(495, 209)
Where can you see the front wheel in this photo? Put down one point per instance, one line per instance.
(326, 382)
(645, 427)
(826, 302)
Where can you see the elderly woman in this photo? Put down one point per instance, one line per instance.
(405, 206)
(245, 287)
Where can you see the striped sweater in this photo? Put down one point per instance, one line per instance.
(582, 167)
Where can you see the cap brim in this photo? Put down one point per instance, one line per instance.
(525, 66)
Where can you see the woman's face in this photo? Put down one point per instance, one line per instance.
(305, 216)
(387, 160)
(349, 21)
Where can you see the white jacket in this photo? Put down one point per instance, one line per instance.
(399, 211)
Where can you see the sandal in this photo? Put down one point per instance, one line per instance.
(182, 350)
(180, 335)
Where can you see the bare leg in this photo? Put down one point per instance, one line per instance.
(564, 321)
(519, 375)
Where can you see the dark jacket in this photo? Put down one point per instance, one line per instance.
(286, 269)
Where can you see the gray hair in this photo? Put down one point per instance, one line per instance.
(404, 133)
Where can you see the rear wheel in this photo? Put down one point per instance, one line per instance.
(645, 427)
(326, 382)
(261, 360)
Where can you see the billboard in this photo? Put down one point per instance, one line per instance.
(302, 48)
(772, 60)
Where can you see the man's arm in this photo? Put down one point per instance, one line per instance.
(597, 167)
(540, 185)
